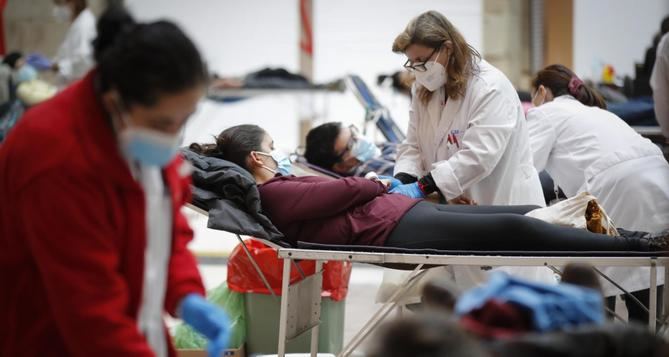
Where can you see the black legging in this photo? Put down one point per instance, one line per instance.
(489, 228)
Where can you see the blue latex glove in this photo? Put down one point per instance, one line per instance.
(410, 190)
(393, 181)
(38, 61)
(209, 320)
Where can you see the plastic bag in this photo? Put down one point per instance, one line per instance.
(572, 213)
(233, 304)
(243, 278)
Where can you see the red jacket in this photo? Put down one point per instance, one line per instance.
(351, 210)
(72, 235)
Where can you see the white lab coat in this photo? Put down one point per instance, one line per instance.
(75, 54)
(478, 146)
(591, 149)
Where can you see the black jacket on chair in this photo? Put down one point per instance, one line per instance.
(230, 195)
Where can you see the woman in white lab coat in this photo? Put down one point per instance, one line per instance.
(586, 148)
(467, 137)
(467, 134)
(75, 54)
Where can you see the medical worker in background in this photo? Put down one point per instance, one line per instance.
(92, 241)
(75, 54)
(586, 148)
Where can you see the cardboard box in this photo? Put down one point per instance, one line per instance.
(238, 352)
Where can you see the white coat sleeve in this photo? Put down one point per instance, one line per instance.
(493, 121)
(75, 57)
(542, 137)
(408, 153)
(659, 81)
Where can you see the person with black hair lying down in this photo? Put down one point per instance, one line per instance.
(345, 151)
(93, 246)
(358, 211)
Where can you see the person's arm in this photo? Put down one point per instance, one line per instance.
(313, 200)
(409, 162)
(542, 137)
(659, 81)
(76, 56)
(77, 242)
(492, 123)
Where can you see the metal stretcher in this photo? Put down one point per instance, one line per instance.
(301, 301)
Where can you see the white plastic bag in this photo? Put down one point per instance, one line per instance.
(572, 213)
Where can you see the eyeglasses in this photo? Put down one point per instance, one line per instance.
(349, 145)
(419, 67)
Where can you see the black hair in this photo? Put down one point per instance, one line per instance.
(144, 60)
(664, 26)
(234, 144)
(11, 59)
(426, 334)
(562, 80)
(320, 145)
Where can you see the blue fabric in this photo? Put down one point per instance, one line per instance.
(410, 190)
(209, 320)
(553, 307)
(9, 119)
(39, 61)
(638, 111)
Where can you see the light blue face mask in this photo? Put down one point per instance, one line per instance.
(24, 74)
(149, 147)
(283, 164)
(365, 150)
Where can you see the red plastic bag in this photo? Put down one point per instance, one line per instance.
(242, 276)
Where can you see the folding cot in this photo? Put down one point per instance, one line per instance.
(300, 301)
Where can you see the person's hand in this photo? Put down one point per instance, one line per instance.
(462, 200)
(410, 190)
(392, 182)
(209, 320)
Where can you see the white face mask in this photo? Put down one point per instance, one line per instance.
(434, 76)
(62, 13)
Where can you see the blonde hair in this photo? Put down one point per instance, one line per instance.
(432, 29)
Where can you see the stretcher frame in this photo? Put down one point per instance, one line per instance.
(290, 255)
(301, 301)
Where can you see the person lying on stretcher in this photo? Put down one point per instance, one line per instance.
(345, 151)
(358, 211)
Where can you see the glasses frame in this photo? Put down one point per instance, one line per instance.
(420, 67)
(351, 142)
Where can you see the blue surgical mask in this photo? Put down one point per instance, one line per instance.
(365, 150)
(146, 146)
(25, 74)
(283, 164)
(149, 147)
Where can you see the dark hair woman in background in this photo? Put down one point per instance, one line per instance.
(358, 211)
(92, 243)
(587, 148)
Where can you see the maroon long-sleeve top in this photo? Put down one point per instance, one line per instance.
(350, 210)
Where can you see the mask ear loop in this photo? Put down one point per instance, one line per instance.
(265, 166)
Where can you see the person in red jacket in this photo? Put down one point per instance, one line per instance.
(358, 211)
(92, 241)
